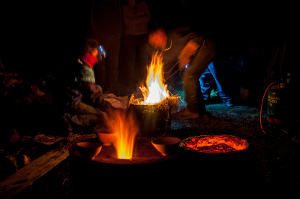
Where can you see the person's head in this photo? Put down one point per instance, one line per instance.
(93, 48)
(158, 39)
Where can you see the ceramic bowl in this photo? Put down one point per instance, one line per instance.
(166, 145)
(106, 138)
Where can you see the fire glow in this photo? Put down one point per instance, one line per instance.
(155, 89)
(123, 125)
(216, 144)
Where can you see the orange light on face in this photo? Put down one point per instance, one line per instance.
(155, 89)
(123, 125)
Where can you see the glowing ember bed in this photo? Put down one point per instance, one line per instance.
(214, 144)
(219, 158)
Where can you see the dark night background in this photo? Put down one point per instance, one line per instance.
(46, 36)
(256, 43)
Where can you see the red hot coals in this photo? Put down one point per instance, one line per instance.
(214, 143)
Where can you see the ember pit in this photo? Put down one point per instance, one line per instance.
(214, 150)
(225, 158)
(214, 144)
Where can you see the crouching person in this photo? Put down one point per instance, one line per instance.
(87, 105)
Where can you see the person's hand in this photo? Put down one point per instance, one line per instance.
(184, 59)
(186, 53)
(117, 102)
(158, 39)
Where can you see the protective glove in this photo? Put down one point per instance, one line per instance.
(158, 39)
(186, 53)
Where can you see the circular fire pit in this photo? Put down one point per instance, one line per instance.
(106, 171)
(214, 158)
(215, 148)
(214, 144)
(144, 153)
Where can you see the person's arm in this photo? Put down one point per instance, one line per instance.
(186, 53)
(93, 94)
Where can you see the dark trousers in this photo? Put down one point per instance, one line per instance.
(206, 86)
(192, 74)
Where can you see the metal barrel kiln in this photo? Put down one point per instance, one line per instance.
(152, 120)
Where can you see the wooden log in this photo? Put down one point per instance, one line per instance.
(26, 176)
(8, 74)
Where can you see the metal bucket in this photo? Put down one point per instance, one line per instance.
(152, 119)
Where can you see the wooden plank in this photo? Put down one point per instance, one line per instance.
(26, 176)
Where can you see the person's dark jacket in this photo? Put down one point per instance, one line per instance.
(80, 85)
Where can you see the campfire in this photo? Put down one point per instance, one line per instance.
(152, 111)
(214, 144)
(154, 107)
(126, 147)
(154, 91)
(123, 126)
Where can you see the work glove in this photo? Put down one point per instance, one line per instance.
(186, 53)
(158, 39)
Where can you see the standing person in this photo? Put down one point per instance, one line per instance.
(193, 60)
(197, 54)
(206, 86)
(200, 34)
(136, 16)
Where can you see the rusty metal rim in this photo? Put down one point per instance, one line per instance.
(139, 161)
(86, 149)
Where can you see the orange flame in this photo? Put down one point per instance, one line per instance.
(155, 89)
(123, 125)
